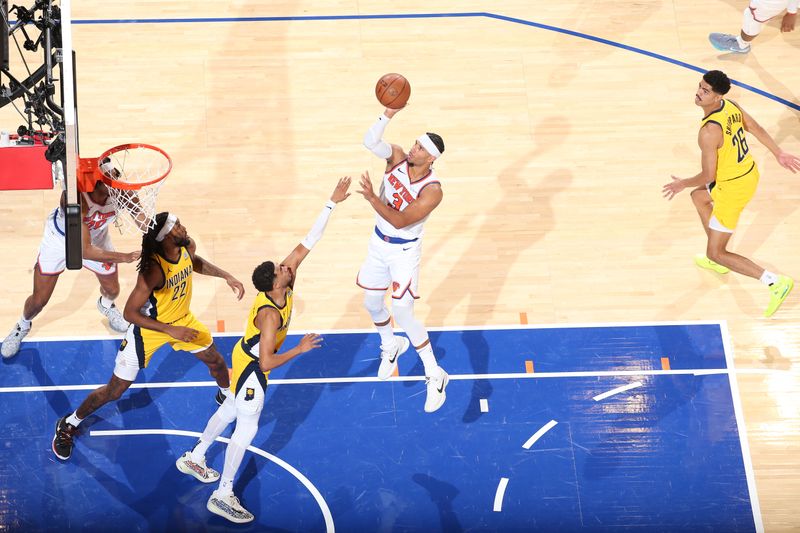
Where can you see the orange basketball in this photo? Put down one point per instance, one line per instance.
(393, 90)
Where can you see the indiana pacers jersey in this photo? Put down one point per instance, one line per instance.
(252, 334)
(245, 353)
(733, 157)
(398, 193)
(171, 302)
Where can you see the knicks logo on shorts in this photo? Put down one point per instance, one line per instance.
(249, 394)
(107, 266)
(395, 286)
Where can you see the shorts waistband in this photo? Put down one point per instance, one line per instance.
(393, 240)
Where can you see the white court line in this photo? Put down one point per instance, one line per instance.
(544, 429)
(498, 496)
(465, 377)
(612, 392)
(326, 512)
(484, 405)
(737, 411)
(429, 328)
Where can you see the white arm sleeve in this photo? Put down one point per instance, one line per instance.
(373, 139)
(319, 226)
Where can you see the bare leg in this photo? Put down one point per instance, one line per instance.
(716, 251)
(43, 287)
(702, 202)
(102, 395)
(109, 284)
(216, 366)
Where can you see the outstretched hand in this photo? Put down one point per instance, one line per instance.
(309, 342)
(340, 192)
(132, 256)
(366, 186)
(237, 287)
(788, 161)
(671, 189)
(389, 112)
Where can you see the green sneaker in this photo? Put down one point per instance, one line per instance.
(704, 262)
(778, 293)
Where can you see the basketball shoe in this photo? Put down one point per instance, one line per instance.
(62, 440)
(199, 471)
(725, 42)
(390, 355)
(704, 262)
(12, 342)
(228, 506)
(778, 293)
(436, 390)
(115, 318)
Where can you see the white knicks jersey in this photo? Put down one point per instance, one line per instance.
(398, 192)
(97, 218)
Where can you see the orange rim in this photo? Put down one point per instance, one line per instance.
(129, 186)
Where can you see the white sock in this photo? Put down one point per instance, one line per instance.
(387, 334)
(225, 486)
(24, 323)
(73, 419)
(105, 302)
(428, 360)
(768, 278)
(742, 42)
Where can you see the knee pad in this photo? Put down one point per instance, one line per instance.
(375, 306)
(750, 25)
(246, 428)
(403, 311)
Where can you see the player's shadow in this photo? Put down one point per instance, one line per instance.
(442, 495)
(524, 215)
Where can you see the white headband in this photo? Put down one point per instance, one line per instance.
(107, 167)
(427, 143)
(168, 225)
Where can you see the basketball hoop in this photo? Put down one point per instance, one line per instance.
(134, 174)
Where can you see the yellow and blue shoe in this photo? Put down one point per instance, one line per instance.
(704, 262)
(778, 293)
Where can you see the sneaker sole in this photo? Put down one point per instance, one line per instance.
(189, 472)
(219, 512)
(403, 349)
(53, 445)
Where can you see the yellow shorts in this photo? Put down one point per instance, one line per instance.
(732, 196)
(248, 382)
(140, 344)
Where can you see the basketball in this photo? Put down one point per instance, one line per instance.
(393, 90)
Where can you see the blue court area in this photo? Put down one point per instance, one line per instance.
(553, 450)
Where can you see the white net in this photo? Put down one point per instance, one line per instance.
(134, 174)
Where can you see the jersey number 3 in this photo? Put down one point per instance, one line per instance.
(740, 142)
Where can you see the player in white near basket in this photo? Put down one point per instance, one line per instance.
(409, 192)
(97, 213)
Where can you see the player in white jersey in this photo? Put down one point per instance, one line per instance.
(409, 192)
(99, 256)
(755, 15)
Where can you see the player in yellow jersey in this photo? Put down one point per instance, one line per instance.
(254, 356)
(159, 314)
(728, 181)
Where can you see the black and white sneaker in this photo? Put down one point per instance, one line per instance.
(436, 390)
(228, 506)
(389, 356)
(199, 471)
(62, 440)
